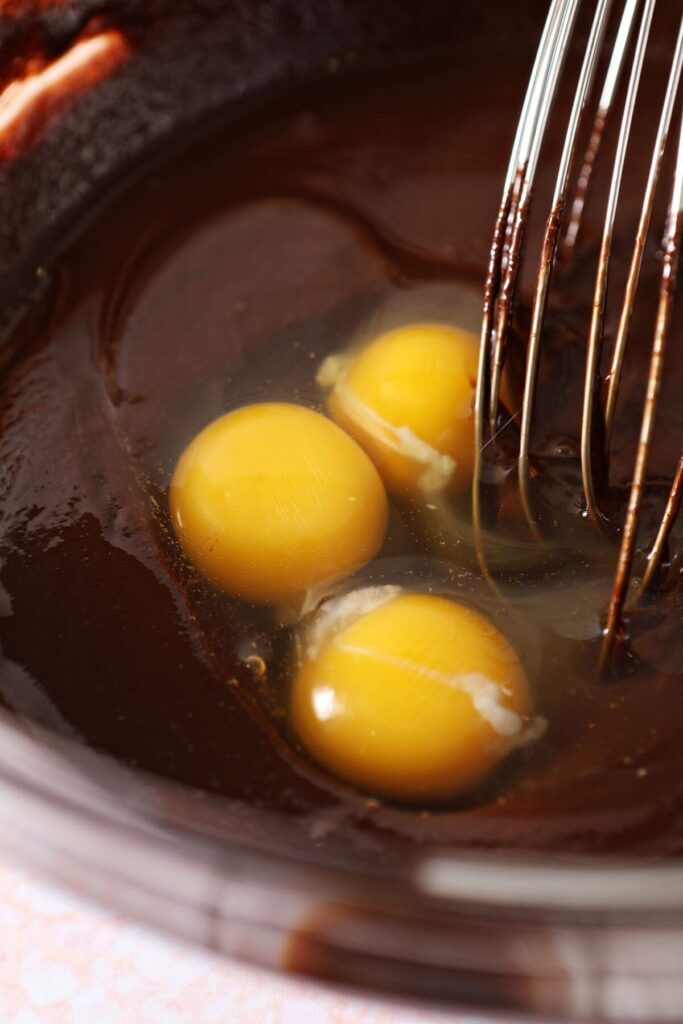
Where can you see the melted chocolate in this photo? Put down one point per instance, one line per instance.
(223, 274)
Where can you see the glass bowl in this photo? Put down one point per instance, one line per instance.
(108, 82)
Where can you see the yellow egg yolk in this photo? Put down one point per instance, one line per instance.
(419, 698)
(407, 397)
(273, 498)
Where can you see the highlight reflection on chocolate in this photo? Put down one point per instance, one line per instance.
(29, 101)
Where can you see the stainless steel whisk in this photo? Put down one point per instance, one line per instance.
(561, 229)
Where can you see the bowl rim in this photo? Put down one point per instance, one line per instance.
(79, 785)
(119, 836)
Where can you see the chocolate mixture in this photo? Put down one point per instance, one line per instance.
(224, 274)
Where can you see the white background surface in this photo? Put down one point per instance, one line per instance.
(66, 962)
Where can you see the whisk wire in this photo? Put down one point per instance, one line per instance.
(508, 236)
(673, 506)
(591, 410)
(549, 249)
(671, 247)
(614, 375)
(545, 88)
(605, 103)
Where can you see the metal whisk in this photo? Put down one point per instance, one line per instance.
(561, 229)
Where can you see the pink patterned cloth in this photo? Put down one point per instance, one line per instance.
(63, 961)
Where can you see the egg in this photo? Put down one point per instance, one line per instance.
(273, 498)
(407, 397)
(412, 696)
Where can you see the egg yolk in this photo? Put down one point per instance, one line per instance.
(273, 498)
(419, 698)
(407, 398)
